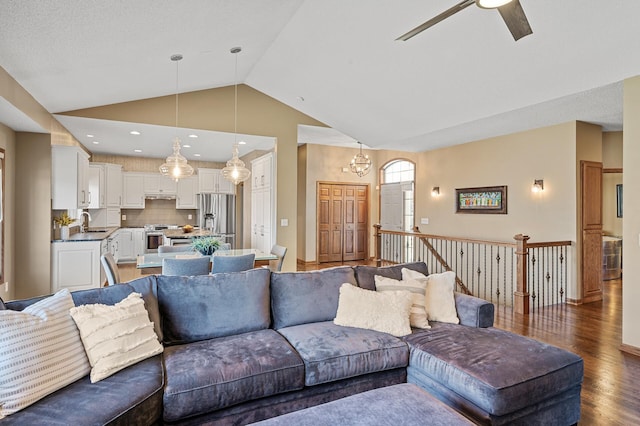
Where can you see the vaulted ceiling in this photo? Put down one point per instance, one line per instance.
(337, 61)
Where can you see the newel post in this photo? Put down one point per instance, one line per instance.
(378, 236)
(521, 296)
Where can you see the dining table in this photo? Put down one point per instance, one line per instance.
(151, 263)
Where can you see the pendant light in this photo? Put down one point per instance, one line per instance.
(176, 166)
(235, 171)
(360, 163)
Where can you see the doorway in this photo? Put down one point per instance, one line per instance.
(342, 222)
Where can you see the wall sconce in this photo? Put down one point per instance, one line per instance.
(435, 192)
(538, 185)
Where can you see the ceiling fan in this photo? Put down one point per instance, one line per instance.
(510, 10)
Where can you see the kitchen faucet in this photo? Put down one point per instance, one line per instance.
(82, 227)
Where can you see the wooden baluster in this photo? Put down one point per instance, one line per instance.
(521, 295)
(378, 238)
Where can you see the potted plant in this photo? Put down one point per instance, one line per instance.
(63, 221)
(205, 245)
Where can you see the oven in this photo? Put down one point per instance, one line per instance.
(154, 237)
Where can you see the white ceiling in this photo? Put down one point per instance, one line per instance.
(461, 80)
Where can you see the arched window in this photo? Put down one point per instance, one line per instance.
(396, 195)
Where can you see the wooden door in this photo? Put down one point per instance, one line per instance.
(342, 222)
(591, 190)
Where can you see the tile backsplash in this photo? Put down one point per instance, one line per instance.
(158, 211)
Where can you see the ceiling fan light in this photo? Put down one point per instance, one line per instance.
(492, 4)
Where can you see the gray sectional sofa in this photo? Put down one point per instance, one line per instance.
(243, 347)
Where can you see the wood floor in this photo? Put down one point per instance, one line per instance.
(611, 387)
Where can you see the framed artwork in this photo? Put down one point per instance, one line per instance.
(619, 200)
(483, 200)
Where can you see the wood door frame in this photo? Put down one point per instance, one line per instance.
(367, 186)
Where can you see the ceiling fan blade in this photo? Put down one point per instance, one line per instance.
(431, 22)
(513, 15)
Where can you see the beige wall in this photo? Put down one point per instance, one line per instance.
(213, 109)
(33, 214)
(611, 159)
(8, 143)
(612, 150)
(631, 223)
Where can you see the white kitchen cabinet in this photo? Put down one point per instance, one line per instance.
(210, 181)
(105, 185)
(113, 180)
(98, 196)
(75, 265)
(132, 190)
(69, 178)
(261, 171)
(105, 218)
(138, 242)
(156, 184)
(186, 193)
(125, 245)
(262, 204)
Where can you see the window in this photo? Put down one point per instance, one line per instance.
(396, 207)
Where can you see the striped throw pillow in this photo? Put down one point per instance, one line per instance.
(117, 336)
(40, 352)
(418, 314)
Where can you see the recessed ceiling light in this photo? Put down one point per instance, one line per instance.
(186, 146)
(196, 155)
(96, 142)
(137, 150)
(193, 136)
(134, 132)
(89, 136)
(242, 143)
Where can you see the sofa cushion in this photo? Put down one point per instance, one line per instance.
(40, 352)
(132, 396)
(498, 371)
(117, 336)
(213, 374)
(387, 311)
(209, 306)
(331, 352)
(439, 294)
(418, 314)
(303, 297)
(365, 274)
(2, 308)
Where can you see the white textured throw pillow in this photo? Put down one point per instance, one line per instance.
(387, 312)
(40, 352)
(439, 300)
(418, 315)
(117, 336)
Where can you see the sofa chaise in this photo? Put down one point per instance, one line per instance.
(248, 346)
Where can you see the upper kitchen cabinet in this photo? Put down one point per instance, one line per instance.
(156, 184)
(261, 171)
(132, 190)
(210, 181)
(69, 178)
(105, 185)
(186, 195)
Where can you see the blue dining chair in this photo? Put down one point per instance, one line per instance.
(186, 267)
(233, 263)
(280, 251)
(110, 269)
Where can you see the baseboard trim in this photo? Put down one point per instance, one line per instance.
(631, 350)
(302, 262)
(574, 301)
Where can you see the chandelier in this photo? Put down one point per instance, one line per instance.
(235, 171)
(176, 166)
(360, 163)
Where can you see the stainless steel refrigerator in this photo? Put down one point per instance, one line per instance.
(217, 212)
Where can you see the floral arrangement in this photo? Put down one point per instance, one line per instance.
(63, 220)
(205, 245)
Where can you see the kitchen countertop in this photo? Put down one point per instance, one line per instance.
(92, 234)
(179, 233)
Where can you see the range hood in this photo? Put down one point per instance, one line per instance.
(160, 196)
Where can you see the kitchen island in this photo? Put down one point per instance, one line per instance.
(173, 237)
